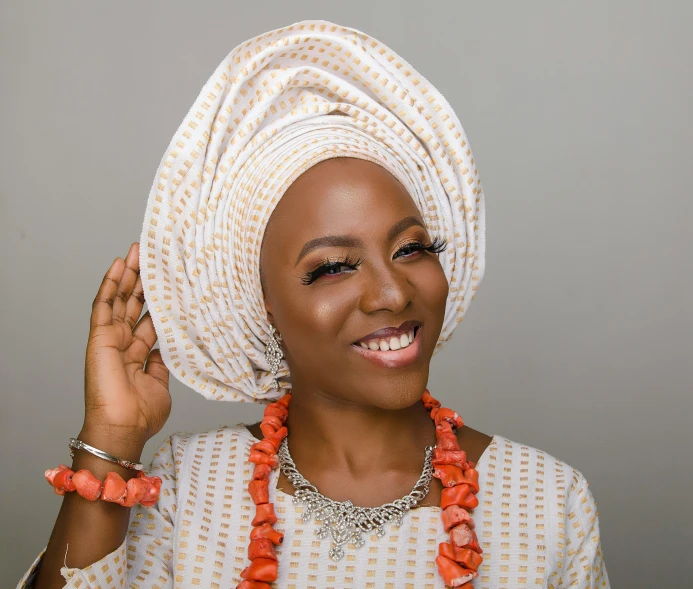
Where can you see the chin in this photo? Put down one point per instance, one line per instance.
(395, 394)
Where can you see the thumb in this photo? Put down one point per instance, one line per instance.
(156, 367)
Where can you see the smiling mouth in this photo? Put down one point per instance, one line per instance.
(385, 344)
(388, 356)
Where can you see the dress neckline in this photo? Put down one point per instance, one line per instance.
(480, 464)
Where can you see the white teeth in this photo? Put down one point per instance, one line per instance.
(394, 343)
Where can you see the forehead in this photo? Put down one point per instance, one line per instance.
(341, 196)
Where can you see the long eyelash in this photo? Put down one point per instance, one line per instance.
(327, 264)
(439, 244)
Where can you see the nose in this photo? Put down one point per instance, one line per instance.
(385, 288)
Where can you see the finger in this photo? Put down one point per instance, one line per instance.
(156, 367)
(102, 306)
(144, 338)
(135, 304)
(127, 282)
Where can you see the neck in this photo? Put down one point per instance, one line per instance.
(347, 440)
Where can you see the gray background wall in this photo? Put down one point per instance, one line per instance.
(579, 114)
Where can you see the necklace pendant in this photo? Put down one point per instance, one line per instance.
(340, 535)
(336, 553)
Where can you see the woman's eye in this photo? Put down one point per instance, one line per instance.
(335, 269)
(437, 245)
(409, 249)
(331, 269)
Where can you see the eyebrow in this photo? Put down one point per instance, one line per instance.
(350, 241)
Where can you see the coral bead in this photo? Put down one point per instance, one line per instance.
(455, 515)
(261, 548)
(450, 457)
(261, 569)
(264, 514)
(465, 556)
(248, 584)
(136, 490)
(153, 491)
(461, 495)
(463, 536)
(277, 410)
(267, 531)
(87, 485)
(428, 401)
(259, 491)
(265, 446)
(285, 400)
(449, 475)
(452, 417)
(262, 472)
(114, 488)
(453, 574)
(261, 458)
(63, 480)
(60, 477)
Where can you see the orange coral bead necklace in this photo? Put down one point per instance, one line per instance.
(458, 559)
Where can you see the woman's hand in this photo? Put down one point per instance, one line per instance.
(122, 395)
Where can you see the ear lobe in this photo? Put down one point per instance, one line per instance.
(270, 317)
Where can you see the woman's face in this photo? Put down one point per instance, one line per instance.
(342, 258)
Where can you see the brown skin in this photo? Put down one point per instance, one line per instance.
(126, 402)
(357, 430)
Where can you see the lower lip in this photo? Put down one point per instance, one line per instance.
(394, 358)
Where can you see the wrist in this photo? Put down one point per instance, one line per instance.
(121, 442)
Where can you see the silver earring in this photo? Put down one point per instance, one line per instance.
(274, 353)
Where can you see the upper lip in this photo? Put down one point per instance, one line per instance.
(385, 332)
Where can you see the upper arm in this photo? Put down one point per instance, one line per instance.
(583, 565)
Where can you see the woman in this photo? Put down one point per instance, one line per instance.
(314, 234)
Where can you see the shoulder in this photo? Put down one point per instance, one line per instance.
(525, 468)
(220, 437)
(181, 447)
(544, 503)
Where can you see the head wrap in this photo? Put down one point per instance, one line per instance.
(262, 119)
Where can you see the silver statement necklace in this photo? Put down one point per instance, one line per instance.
(343, 521)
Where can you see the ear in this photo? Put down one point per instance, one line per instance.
(270, 317)
(265, 298)
(268, 308)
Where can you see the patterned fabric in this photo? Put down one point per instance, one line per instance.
(264, 117)
(537, 524)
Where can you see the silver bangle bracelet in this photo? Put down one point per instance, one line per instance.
(76, 444)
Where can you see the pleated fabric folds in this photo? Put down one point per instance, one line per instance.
(276, 106)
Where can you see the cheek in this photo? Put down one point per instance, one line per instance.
(325, 312)
(444, 289)
(313, 318)
(434, 288)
